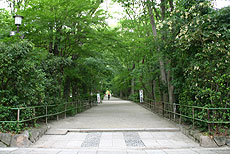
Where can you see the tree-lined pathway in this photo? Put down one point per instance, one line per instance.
(115, 126)
(112, 114)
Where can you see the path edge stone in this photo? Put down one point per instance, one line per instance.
(23, 140)
(204, 140)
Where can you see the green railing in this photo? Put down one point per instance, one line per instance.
(205, 115)
(47, 111)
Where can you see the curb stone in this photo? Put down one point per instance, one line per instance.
(24, 139)
(205, 141)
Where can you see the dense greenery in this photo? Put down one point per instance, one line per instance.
(61, 55)
(177, 51)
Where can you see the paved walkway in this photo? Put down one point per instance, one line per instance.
(115, 127)
(117, 140)
(113, 114)
(114, 151)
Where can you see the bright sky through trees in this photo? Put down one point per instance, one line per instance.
(116, 10)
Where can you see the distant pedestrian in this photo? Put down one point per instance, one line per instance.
(108, 96)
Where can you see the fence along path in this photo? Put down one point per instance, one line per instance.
(114, 114)
(114, 125)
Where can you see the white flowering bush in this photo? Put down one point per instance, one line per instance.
(198, 46)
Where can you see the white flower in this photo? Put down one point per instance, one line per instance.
(160, 25)
(201, 4)
(196, 67)
(170, 23)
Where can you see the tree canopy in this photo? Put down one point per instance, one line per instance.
(177, 51)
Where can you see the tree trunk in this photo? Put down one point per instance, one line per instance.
(56, 52)
(154, 90)
(170, 88)
(51, 47)
(74, 91)
(152, 20)
(66, 92)
(154, 30)
(121, 95)
(132, 86)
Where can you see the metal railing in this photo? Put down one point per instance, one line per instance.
(47, 111)
(176, 112)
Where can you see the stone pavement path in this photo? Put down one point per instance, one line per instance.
(115, 113)
(114, 151)
(117, 140)
(115, 127)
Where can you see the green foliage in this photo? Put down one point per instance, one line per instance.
(22, 83)
(63, 58)
(193, 43)
(200, 58)
(6, 23)
(72, 52)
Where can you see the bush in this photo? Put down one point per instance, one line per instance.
(22, 82)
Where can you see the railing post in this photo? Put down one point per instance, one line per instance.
(180, 120)
(72, 107)
(193, 117)
(163, 108)
(65, 109)
(174, 111)
(84, 106)
(76, 107)
(169, 105)
(34, 112)
(57, 117)
(18, 116)
(209, 127)
(34, 115)
(46, 114)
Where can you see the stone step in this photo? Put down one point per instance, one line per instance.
(64, 131)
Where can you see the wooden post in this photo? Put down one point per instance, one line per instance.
(72, 106)
(65, 110)
(209, 127)
(18, 115)
(193, 117)
(174, 111)
(76, 106)
(180, 116)
(169, 110)
(46, 115)
(34, 114)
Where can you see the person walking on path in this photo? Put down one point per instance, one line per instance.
(108, 96)
(108, 92)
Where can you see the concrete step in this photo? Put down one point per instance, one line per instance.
(64, 131)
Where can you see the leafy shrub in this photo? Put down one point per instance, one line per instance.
(207, 74)
(22, 82)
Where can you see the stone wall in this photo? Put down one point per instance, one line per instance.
(206, 141)
(24, 139)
